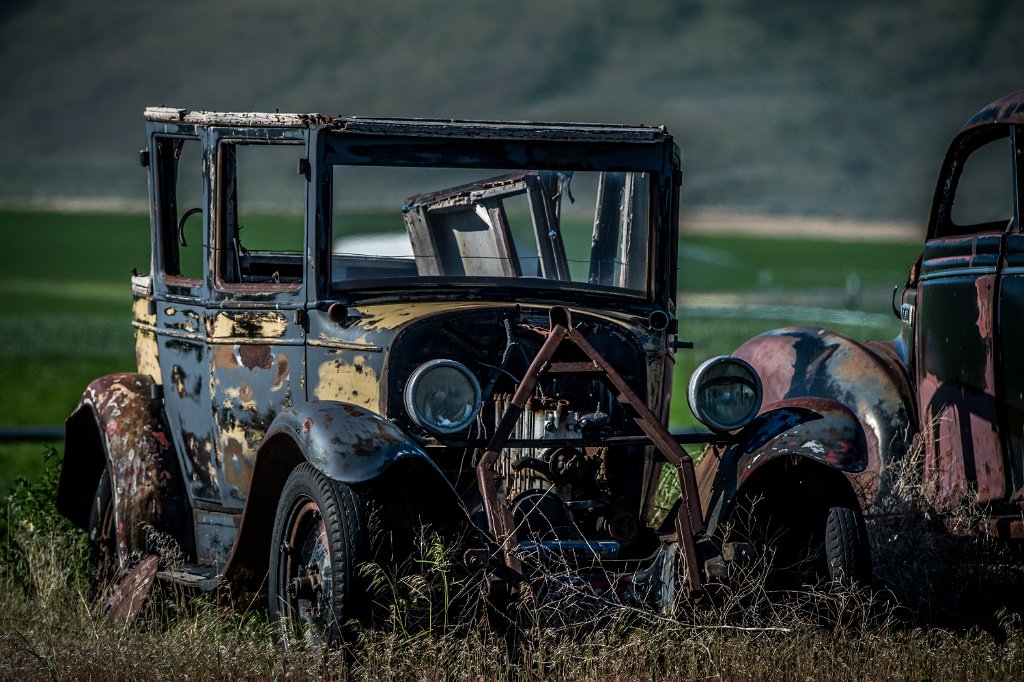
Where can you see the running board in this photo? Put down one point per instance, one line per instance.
(205, 578)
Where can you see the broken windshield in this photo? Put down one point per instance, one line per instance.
(401, 227)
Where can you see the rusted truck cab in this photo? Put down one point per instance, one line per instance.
(454, 327)
(950, 388)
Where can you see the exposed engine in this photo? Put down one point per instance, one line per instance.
(561, 494)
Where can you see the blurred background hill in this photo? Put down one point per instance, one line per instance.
(821, 109)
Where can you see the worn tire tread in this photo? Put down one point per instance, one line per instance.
(346, 536)
(846, 546)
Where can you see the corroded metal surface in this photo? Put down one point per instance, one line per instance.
(1008, 110)
(129, 596)
(796, 361)
(136, 445)
(816, 429)
(348, 443)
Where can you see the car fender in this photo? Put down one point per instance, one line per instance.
(871, 379)
(347, 444)
(815, 429)
(120, 424)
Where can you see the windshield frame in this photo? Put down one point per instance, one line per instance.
(546, 147)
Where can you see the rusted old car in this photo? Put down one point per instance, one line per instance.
(950, 388)
(491, 359)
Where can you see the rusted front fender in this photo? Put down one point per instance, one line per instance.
(348, 444)
(870, 379)
(819, 430)
(119, 424)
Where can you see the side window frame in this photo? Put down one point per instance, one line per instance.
(220, 139)
(165, 229)
(942, 223)
(1017, 139)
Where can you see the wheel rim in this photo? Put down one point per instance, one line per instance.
(305, 577)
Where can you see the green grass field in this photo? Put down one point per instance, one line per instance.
(66, 320)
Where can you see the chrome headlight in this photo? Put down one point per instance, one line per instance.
(724, 393)
(442, 396)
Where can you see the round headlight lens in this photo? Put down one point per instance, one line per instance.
(442, 396)
(724, 393)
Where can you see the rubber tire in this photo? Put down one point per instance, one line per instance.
(102, 536)
(345, 531)
(847, 551)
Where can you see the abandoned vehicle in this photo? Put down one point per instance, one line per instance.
(490, 359)
(949, 390)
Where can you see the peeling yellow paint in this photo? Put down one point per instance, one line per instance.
(146, 354)
(250, 324)
(140, 311)
(339, 380)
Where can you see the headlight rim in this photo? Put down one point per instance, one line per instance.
(417, 375)
(702, 414)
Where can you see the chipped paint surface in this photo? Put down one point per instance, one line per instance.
(141, 457)
(250, 385)
(796, 362)
(348, 379)
(248, 324)
(816, 429)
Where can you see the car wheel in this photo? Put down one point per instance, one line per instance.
(847, 553)
(319, 541)
(807, 535)
(102, 535)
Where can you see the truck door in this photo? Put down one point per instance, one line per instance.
(956, 325)
(1010, 324)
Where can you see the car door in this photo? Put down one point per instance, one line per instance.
(255, 320)
(956, 323)
(181, 220)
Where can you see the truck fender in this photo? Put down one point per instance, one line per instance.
(119, 424)
(814, 429)
(871, 379)
(347, 444)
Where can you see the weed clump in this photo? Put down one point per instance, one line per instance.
(934, 559)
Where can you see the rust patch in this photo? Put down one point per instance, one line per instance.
(281, 373)
(237, 466)
(252, 357)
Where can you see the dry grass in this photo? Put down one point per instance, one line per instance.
(49, 628)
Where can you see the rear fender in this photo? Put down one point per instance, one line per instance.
(871, 379)
(347, 444)
(119, 424)
(816, 429)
